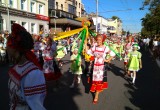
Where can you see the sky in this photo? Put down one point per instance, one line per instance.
(127, 10)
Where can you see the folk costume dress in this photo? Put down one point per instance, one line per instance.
(48, 66)
(74, 69)
(60, 53)
(27, 88)
(98, 84)
(127, 48)
(133, 63)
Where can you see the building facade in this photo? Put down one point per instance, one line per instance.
(114, 27)
(63, 13)
(102, 24)
(31, 14)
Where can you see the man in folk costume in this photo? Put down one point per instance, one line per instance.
(99, 52)
(27, 87)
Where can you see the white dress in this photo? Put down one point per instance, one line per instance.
(27, 88)
(99, 54)
(48, 57)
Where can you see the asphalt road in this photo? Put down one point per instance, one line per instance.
(120, 95)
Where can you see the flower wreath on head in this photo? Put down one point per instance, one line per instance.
(103, 37)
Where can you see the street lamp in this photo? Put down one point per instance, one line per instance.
(55, 16)
(7, 6)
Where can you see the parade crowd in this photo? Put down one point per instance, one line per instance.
(36, 59)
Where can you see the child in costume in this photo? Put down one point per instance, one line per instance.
(60, 53)
(76, 69)
(134, 61)
(127, 49)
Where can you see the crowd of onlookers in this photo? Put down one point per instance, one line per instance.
(3, 40)
(153, 44)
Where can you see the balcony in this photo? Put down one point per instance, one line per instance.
(71, 2)
(61, 14)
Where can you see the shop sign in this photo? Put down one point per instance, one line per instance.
(41, 17)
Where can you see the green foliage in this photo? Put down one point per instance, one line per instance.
(150, 23)
(115, 17)
(123, 32)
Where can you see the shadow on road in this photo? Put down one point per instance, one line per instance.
(4, 95)
(60, 96)
(146, 92)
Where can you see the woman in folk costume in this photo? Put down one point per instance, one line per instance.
(134, 61)
(27, 88)
(127, 49)
(99, 52)
(48, 53)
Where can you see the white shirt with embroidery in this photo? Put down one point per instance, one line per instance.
(31, 91)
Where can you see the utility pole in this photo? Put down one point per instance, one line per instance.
(96, 15)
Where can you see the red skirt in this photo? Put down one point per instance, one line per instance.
(98, 86)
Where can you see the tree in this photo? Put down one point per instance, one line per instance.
(123, 32)
(115, 17)
(150, 22)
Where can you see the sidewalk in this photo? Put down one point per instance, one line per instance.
(157, 60)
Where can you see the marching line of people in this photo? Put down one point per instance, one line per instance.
(38, 59)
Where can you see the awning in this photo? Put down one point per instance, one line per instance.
(66, 21)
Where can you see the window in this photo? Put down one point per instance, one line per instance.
(24, 5)
(2, 1)
(40, 9)
(33, 7)
(12, 23)
(1, 24)
(24, 24)
(79, 14)
(56, 5)
(11, 3)
(79, 5)
(71, 9)
(76, 3)
(32, 27)
(61, 6)
(51, 4)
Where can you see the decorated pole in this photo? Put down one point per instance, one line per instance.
(81, 46)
